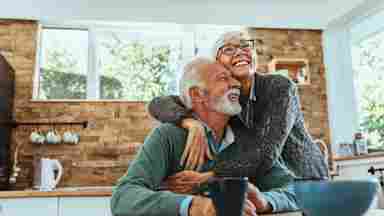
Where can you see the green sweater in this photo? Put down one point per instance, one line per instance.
(135, 193)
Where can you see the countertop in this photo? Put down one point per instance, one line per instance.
(59, 192)
(99, 191)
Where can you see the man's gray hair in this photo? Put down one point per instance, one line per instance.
(192, 78)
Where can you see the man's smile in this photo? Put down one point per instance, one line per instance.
(234, 95)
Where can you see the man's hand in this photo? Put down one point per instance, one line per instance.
(185, 181)
(202, 206)
(257, 198)
(196, 149)
(249, 208)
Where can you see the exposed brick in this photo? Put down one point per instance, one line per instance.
(103, 154)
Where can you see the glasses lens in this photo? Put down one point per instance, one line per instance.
(229, 50)
(245, 44)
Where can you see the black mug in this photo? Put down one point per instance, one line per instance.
(228, 195)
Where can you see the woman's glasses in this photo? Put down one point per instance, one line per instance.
(245, 45)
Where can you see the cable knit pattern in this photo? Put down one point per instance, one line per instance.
(274, 124)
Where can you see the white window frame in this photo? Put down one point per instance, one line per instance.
(342, 97)
(365, 29)
(93, 73)
(93, 70)
(186, 31)
(36, 80)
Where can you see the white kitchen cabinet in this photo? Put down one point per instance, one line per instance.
(93, 206)
(29, 206)
(357, 168)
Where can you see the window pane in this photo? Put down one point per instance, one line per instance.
(64, 64)
(137, 66)
(368, 64)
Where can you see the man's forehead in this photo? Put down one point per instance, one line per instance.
(216, 68)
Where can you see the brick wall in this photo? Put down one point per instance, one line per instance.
(300, 44)
(119, 127)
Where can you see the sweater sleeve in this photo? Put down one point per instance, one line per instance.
(280, 116)
(278, 188)
(168, 109)
(135, 193)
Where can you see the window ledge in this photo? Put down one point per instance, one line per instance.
(370, 155)
(84, 101)
(360, 159)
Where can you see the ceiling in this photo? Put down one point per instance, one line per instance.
(307, 14)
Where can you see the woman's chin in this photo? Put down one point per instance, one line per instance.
(241, 73)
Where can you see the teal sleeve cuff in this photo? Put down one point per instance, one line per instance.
(271, 200)
(282, 199)
(184, 206)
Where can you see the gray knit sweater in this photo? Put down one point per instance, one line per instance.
(272, 122)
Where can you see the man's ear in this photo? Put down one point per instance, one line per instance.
(196, 94)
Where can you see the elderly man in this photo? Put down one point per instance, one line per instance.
(213, 94)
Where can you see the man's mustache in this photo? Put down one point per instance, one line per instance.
(233, 90)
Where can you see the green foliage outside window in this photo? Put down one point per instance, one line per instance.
(370, 71)
(144, 70)
(60, 79)
(135, 72)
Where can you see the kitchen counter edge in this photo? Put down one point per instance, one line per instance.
(55, 193)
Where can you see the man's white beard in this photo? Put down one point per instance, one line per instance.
(224, 105)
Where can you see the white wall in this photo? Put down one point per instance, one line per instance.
(273, 13)
(367, 27)
(342, 106)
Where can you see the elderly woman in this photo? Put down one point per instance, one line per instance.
(271, 116)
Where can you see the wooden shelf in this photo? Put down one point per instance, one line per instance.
(298, 69)
(84, 124)
(55, 193)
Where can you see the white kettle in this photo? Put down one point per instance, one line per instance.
(44, 175)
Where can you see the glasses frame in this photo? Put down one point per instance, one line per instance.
(251, 43)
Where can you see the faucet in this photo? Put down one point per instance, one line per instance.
(372, 170)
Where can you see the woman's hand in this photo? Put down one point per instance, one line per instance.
(185, 181)
(196, 148)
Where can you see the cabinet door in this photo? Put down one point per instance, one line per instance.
(358, 168)
(95, 206)
(28, 206)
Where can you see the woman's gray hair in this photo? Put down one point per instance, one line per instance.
(192, 78)
(225, 38)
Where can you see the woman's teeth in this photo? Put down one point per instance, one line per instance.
(241, 63)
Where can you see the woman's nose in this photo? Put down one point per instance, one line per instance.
(239, 51)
